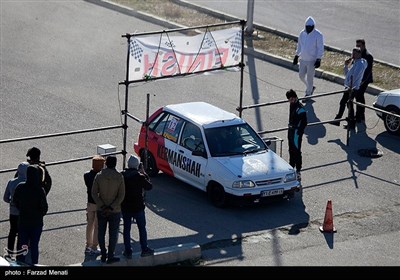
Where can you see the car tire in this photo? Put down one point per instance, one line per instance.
(151, 169)
(217, 195)
(392, 123)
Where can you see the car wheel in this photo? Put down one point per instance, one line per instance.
(217, 195)
(392, 123)
(151, 169)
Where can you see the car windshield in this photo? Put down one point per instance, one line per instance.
(233, 140)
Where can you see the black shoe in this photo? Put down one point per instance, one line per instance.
(298, 174)
(147, 252)
(127, 254)
(103, 258)
(350, 126)
(113, 260)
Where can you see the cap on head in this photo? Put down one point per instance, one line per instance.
(310, 21)
(111, 161)
(291, 93)
(33, 154)
(98, 163)
(133, 162)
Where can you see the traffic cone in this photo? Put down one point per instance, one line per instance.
(328, 221)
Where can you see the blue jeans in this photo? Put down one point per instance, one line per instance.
(141, 224)
(29, 236)
(113, 226)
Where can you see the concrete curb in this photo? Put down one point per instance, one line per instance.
(162, 256)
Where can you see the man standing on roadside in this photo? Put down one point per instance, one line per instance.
(33, 157)
(354, 68)
(136, 183)
(367, 79)
(297, 124)
(108, 191)
(91, 210)
(310, 49)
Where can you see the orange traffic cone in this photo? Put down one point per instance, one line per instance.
(328, 221)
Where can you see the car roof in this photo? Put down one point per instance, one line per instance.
(204, 114)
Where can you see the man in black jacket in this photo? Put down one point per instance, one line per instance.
(366, 80)
(33, 157)
(297, 124)
(136, 183)
(30, 199)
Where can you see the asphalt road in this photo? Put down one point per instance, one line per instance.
(341, 22)
(61, 63)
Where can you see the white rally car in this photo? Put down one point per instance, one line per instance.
(214, 151)
(389, 101)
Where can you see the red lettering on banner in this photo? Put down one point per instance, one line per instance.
(185, 61)
(221, 57)
(150, 67)
(167, 64)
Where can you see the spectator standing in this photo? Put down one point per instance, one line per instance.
(30, 199)
(108, 192)
(33, 157)
(133, 207)
(297, 124)
(92, 240)
(14, 212)
(366, 80)
(354, 68)
(310, 49)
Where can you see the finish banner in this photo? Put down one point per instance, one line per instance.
(162, 55)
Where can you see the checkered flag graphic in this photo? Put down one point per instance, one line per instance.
(208, 41)
(136, 51)
(236, 44)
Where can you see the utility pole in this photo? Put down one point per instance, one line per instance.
(250, 13)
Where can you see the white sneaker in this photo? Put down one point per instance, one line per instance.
(312, 91)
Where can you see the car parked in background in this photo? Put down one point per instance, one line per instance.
(215, 151)
(390, 102)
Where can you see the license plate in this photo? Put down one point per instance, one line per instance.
(271, 192)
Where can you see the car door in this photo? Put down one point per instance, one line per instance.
(162, 140)
(191, 157)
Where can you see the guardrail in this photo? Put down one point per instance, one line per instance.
(63, 134)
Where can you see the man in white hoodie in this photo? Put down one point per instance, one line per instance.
(310, 49)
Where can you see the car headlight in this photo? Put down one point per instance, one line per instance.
(243, 184)
(290, 177)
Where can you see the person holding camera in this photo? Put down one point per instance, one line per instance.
(133, 206)
(354, 68)
(33, 158)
